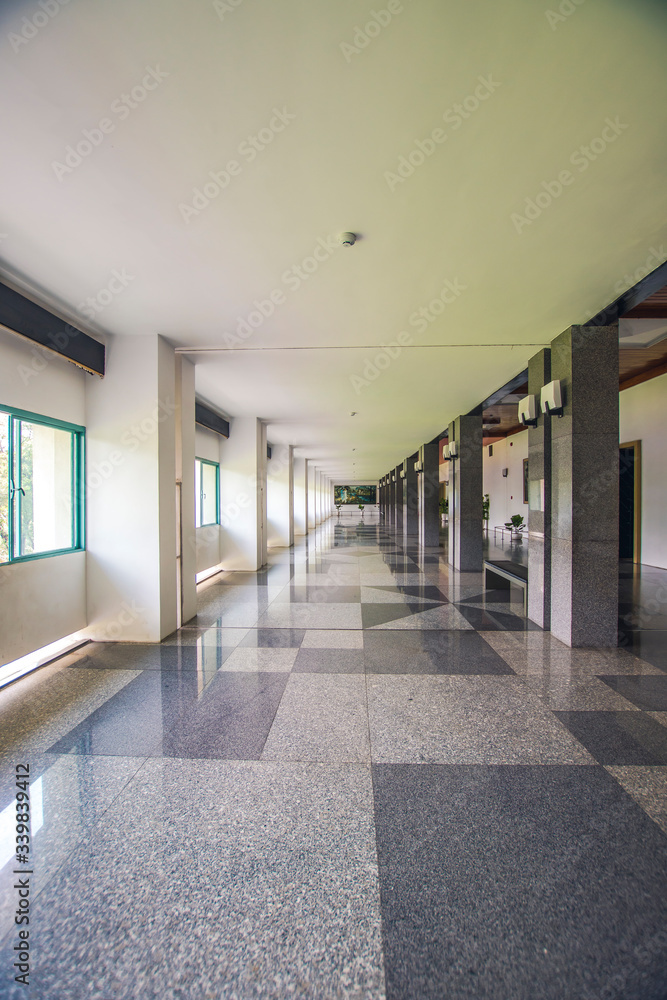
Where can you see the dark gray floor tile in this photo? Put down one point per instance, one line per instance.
(329, 661)
(488, 620)
(273, 637)
(432, 653)
(649, 645)
(230, 720)
(427, 592)
(647, 692)
(136, 656)
(518, 882)
(621, 738)
(128, 724)
(379, 614)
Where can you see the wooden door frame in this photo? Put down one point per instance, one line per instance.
(637, 528)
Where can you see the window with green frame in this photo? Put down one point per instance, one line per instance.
(207, 492)
(41, 486)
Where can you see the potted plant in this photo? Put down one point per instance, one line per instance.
(361, 508)
(444, 508)
(516, 524)
(338, 507)
(486, 510)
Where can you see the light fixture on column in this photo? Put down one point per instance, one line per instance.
(402, 473)
(393, 479)
(453, 451)
(419, 466)
(551, 398)
(528, 411)
(445, 453)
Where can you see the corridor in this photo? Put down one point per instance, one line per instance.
(355, 774)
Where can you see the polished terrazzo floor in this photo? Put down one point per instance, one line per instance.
(354, 775)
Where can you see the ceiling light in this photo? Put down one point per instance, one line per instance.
(347, 239)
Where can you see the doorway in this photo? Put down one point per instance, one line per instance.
(629, 496)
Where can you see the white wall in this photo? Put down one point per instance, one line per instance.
(643, 417)
(506, 494)
(43, 600)
(208, 539)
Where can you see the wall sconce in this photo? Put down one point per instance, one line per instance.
(445, 452)
(528, 411)
(551, 399)
(453, 451)
(402, 473)
(418, 466)
(393, 479)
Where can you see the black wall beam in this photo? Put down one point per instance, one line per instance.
(211, 420)
(19, 315)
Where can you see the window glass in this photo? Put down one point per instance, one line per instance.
(209, 485)
(41, 468)
(45, 480)
(4, 487)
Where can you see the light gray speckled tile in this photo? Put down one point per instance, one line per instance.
(321, 717)
(319, 616)
(573, 689)
(249, 658)
(285, 901)
(229, 615)
(648, 787)
(228, 637)
(333, 639)
(452, 720)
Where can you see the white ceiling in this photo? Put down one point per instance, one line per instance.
(555, 83)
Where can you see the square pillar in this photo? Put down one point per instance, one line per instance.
(300, 518)
(465, 495)
(311, 496)
(584, 495)
(280, 497)
(539, 499)
(429, 489)
(398, 498)
(131, 547)
(411, 505)
(243, 495)
(185, 483)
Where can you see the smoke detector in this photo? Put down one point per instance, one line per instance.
(347, 239)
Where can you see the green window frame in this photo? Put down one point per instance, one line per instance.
(17, 498)
(203, 506)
